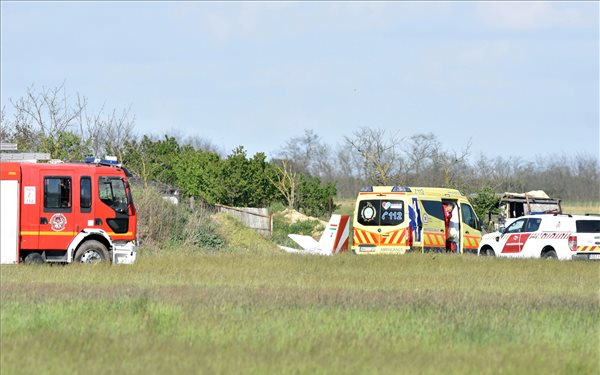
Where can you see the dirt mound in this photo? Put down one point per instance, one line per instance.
(294, 216)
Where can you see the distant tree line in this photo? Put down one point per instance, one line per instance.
(50, 121)
(306, 174)
(376, 157)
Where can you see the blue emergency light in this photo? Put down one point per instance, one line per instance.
(108, 161)
(401, 189)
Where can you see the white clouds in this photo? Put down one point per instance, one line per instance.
(535, 15)
(226, 21)
(484, 52)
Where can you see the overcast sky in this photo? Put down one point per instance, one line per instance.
(520, 79)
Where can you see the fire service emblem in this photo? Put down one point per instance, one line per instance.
(58, 222)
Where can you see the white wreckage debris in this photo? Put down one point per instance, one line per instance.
(334, 239)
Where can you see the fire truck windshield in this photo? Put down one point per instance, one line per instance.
(113, 193)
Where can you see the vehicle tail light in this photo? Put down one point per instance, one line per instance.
(409, 237)
(573, 243)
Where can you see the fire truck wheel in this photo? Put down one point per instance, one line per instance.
(91, 252)
(34, 258)
(550, 254)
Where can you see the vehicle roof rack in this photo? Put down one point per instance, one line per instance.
(24, 157)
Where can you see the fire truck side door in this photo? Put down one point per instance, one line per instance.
(56, 219)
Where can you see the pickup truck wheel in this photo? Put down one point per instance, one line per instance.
(33, 258)
(91, 252)
(550, 254)
(487, 252)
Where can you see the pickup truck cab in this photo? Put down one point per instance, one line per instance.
(546, 236)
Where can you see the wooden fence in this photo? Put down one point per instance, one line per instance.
(258, 219)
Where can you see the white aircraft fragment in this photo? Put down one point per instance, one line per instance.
(333, 240)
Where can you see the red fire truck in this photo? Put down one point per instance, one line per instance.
(66, 212)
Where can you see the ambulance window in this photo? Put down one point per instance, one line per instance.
(85, 194)
(57, 194)
(588, 226)
(392, 212)
(532, 225)
(368, 212)
(378, 212)
(468, 216)
(434, 208)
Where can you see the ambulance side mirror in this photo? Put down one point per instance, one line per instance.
(502, 230)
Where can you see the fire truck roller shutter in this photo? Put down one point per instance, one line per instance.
(9, 211)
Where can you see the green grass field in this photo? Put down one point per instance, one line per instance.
(189, 312)
(579, 207)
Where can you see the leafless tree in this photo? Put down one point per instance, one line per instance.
(48, 114)
(5, 133)
(308, 154)
(200, 143)
(347, 172)
(453, 165)
(379, 151)
(43, 117)
(286, 181)
(107, 133)
(421, 150)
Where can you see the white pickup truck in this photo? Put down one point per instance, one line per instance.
(546, 236)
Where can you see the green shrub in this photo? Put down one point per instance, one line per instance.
(282, 227)
(161, 223)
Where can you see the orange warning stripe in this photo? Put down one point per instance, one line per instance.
(364, 237)
(433, 239)
(471, 242)
(588, 248)
(393, 238)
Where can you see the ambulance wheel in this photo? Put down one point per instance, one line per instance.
(91, 252)
(549, 254)
(33, 258)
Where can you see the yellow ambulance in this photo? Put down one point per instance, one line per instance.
(400, 219)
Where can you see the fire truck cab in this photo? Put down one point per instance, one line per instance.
(66, 212)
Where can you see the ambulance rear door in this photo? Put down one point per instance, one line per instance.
(381, 224)
(470, 229)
